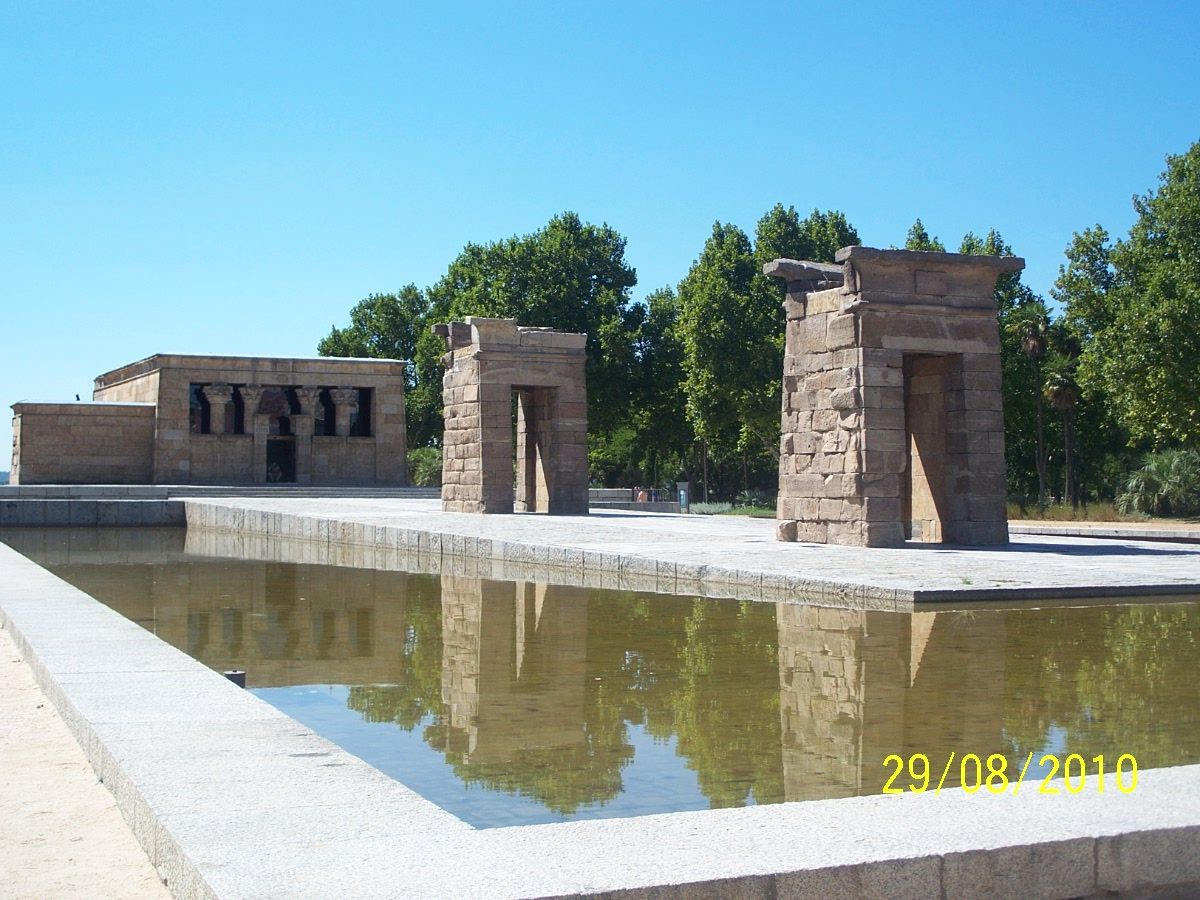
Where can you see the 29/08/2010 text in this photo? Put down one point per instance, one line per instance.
(991, 772)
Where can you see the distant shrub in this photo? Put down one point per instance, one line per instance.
(755, 498)
(710, 509)
(1167, 484)
(425, 467)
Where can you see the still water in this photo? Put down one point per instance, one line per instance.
(516, 702)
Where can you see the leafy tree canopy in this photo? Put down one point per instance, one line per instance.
(1145, 348)
(919, 239)
(1083, 284)
(396, 326)
(732, 326)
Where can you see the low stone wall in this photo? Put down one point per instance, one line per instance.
(83, 443)
(87, 512)
(647, 506)
(432, 550)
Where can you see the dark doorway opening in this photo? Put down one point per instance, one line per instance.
(281, 459)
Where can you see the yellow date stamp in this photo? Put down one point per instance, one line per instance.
(990, 772)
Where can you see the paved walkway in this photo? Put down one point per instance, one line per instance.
(742, 550)
(60, 832)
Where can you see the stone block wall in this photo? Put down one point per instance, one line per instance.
(487, 362)
(82, 443)
(182, 457)
(892, 420)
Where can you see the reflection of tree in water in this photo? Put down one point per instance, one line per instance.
(418, 693)
(704, 672)
(563, 779)
(722, 703)
(1115, 679)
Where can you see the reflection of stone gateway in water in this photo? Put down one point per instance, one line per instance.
(856, 686)
(537, 692)
(514, 663)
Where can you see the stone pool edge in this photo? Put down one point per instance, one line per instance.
(231, 798)
(454, 552)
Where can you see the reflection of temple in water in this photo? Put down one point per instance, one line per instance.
(856, 686)
(514, 660)
(283, 624)
(536, 693)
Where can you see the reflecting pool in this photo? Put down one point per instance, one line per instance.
(519, 702)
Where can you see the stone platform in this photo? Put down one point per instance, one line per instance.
(719, 556)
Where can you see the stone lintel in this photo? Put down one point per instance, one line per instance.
(928, 305)
(83, 408)
(506, 335)
(922, 258)
(957, 280)
(321, 369)
(805, 270)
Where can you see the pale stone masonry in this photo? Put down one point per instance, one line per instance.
(184, 419)
(488, 362)
(892, 422)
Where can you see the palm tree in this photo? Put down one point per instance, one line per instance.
(1031, 326)
(1063, 394)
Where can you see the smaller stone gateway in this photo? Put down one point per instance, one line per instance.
(488, 363)
(893, 420)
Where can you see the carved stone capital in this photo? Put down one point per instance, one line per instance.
(217, 394)
(344, 396)
(251, 395)
(308, 396)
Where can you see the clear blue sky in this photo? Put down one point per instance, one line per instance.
(212, 177)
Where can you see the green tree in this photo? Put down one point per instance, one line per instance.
(919, 239)
(568, 275)
(1021, 311)
(1030, 325)
(396, 326)
(782, 234)
(728, 328)
(1084, 283)
(1063, 394)
(1101, 454)
(658, 413)
(731, 326)
(1144, 353)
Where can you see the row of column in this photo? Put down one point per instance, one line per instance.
(219, 396)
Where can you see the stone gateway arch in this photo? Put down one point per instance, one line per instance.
(490, 365)
(893, 420)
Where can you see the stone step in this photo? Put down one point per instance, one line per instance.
(167, 491)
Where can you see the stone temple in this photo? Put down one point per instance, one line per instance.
(490, 365)
(227, 420)
(893, 423)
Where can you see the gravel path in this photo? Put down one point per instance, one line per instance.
(60, 832)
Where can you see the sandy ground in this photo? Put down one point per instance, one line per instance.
(1134, 525)
(60, 832)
